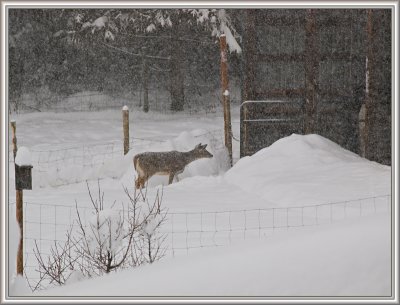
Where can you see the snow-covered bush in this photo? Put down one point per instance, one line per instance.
(150, 242)
(109, 240)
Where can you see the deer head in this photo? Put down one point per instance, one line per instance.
(200, 151)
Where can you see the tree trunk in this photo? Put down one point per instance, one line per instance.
(145, 83)
(176, 74)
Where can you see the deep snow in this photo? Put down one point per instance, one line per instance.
(346, 259)
(316, 169)
(350, 257)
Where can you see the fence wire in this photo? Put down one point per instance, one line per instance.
(77, 163)
(47, 224)
(194, 230)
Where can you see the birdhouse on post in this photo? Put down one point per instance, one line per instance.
(23, 177)
(23, 169)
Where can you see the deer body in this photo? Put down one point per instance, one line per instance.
(169, 163)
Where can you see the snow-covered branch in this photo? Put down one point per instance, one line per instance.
(110, 240)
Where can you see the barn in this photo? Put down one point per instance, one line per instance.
(324, 71)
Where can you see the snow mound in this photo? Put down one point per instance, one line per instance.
(23, 157)
(302, 169)
(19, 287)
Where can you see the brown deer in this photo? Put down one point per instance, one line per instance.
(169, 163)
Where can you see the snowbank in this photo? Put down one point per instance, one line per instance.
(351, 258)
(23, 156)
(18, 285)
(323, 261)
(309, 169)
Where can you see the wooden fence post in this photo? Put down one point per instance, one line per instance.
(14, 138)
(20, 220)
(19, 208)
(125, 123)
(225, 97)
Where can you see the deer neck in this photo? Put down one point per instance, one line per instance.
(190, 156)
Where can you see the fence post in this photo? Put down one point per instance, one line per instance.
(225, 97)
(20, 217)
(19, 208)
(14, 137)
(125, 123)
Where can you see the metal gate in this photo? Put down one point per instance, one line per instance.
(264, 122)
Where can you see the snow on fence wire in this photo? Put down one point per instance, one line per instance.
(47, 224)
(81, 162)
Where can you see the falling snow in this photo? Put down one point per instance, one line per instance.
(296, 212)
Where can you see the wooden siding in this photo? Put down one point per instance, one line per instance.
(315, 61)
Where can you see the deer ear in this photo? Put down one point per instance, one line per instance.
(198, 146)
(204, 146)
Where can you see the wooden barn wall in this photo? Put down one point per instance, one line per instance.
(341, 79)
(380, 89)
(274, 57)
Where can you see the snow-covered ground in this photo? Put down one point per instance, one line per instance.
(346, 259)
(303, 217)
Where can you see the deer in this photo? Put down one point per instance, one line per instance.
(170, 163)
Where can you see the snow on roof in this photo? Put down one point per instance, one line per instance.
(23, 156)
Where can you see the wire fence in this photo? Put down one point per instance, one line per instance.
(75, 163)
(46, 224)
(193, 230)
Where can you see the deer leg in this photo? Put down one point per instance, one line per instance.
(176, 175)
(144, 180)
(171, 177)
(138, 182)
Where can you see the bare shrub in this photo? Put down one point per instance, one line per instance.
(109, 240)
